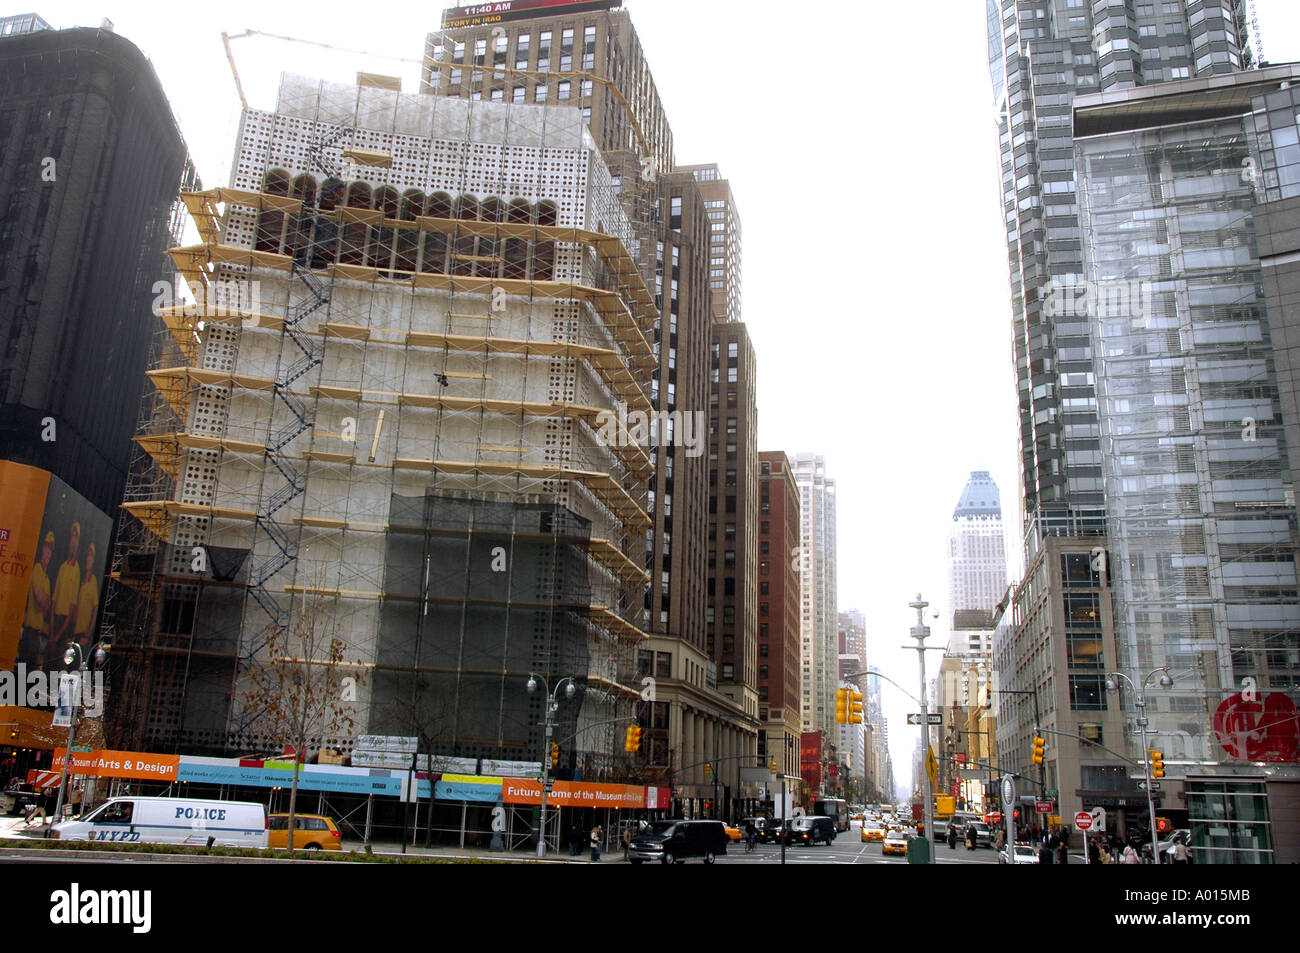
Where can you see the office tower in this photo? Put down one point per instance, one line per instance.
(778, 613)
(724, 240)
(1042, 53)
(817, 587)
(1198, 485)
(587, 56)
(399, 419)
(977, 560)
(89, 167)
(1053, 641)
(734, 572)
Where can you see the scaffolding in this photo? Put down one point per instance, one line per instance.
(416, 315)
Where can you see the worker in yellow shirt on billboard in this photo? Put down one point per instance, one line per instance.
(87, 600)
(67, 589)
(38, 621)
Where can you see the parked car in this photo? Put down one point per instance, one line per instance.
(1018, 853)
(671, 842)
(1166, 846)
(310, 832)
(170, 820)
(895, 842)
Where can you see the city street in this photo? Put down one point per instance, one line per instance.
(848, 850)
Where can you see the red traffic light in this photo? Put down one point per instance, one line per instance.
(1163, 825)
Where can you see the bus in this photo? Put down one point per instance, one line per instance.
(835, 808)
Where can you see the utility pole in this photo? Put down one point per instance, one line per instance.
(920, 632)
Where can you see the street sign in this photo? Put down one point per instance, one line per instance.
(931, 765)
(916, 719)
(920, 718)
(1154, 785)
(934, 718)
(1083, 821)
(1043, 807)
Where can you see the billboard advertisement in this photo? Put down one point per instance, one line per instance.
(53, 553)
(478, 14)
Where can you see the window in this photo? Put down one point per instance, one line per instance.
(521, 51)
(1087, 693)
(540, 93)
(563, 90)
(544, 51)
(517, 94)
(675, 212)
(663, 665)
(589, 48)
(566, 51)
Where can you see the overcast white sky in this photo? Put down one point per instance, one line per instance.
(862, 153)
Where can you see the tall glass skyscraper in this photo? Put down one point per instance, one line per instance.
(1041, 54)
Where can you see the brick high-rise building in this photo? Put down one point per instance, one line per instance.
(778, 612)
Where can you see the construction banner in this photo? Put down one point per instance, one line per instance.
(23, 491)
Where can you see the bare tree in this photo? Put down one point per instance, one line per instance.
(304, 687)
(427, 717)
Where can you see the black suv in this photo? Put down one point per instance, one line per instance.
(809, 830)
(671, 842)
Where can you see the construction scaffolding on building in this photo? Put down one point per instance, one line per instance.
(418, 316)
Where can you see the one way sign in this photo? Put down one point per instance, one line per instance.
(934, 718)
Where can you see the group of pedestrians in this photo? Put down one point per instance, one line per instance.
(595, 839)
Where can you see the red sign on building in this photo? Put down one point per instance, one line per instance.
(1252, 727)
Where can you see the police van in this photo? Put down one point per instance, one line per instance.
(170, 820)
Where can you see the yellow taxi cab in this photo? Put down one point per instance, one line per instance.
(735, 833)
(894, 843)
(310, 832)
(872, 831)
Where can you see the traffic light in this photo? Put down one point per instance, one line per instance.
(1040, 750)
(708, 770)
(1015, 814)
(1163, 825)
(1157, 761)
(555, 754)
(771, 766)
(633, 742)
(855, 708)
(842, 707)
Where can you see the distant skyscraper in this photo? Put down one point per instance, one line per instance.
(1041, 54)
(818, 619)
(977, 555)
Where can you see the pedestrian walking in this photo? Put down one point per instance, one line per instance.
(952, 837)
(575, 840)
(1063, 849)
(1046, 850)
(627, 840)
(1181, 854)
(596, 833)
(1130, 856)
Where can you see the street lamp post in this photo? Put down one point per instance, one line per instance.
(920, 632)
(75, 654)
(550, 706)
(1139, 700)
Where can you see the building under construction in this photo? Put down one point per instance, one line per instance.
(385, 409)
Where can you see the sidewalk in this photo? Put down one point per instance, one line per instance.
(15, 828)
